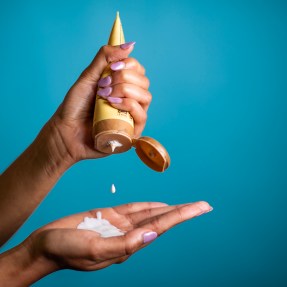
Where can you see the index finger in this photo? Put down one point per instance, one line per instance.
(137, 206)
(162, 223)
(133, 64)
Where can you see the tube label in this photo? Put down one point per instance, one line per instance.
(104, 111)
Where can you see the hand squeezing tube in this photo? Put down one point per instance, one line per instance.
(113, 129)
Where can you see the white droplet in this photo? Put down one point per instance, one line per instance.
(113, 188)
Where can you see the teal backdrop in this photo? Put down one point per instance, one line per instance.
(219, 83)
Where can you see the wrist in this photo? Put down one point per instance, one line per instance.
(53, 152)
(21, 266)
(26, 182)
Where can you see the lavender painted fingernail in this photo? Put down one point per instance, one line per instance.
(118, 66)
(127, 45)
(105, 92)
(114, 100)
(103, 82)
(149, 236)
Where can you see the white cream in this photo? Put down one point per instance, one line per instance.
(114, 144)
(113, 188)
(101, 226)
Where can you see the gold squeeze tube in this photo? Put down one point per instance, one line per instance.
(112, 128)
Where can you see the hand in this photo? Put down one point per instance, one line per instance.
(60, 245)
(67, 137)
(126, 89)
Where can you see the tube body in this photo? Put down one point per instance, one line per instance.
(111, 125)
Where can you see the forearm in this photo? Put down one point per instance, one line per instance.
(28, 180)
(19, 267)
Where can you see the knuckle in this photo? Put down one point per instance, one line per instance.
(117, 76)
(141, 119)
(147, 82)
(144, 117)
(130, 248)
(130, 219)
(132, 61)
(107, 52)
(157, 224)
(124, 89)
(179, 213)
(148, 97)
(93, 250)
(133, 105)
(149, 213)
(104, 50)
(123, 75)
(129, 207)
(136, 64)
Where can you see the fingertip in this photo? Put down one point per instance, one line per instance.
(115, 101)
(159, 204)
(149, 236)
(127, 45)
(144, 236)
(204, 206)
(199, 208)
(136, 239)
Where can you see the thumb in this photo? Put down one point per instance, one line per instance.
(125, 245)
(105, 56)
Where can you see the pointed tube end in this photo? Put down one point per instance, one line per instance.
(117, 35)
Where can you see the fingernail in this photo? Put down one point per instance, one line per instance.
(127, 45)
(114, 100)
(105, 92)
(117, 66)
(149, 236)
(103, 82)
(205, 211)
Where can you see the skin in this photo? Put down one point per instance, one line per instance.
(63, 141)
(66, 138)
(59, 245)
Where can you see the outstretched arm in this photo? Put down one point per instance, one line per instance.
(67, 137)
(59, 245)
(28, 180)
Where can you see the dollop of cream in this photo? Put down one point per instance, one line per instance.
(114, 144)
(101, 226)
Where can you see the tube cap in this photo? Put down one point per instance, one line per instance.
(152, 153)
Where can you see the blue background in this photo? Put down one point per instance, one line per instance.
(218, 78)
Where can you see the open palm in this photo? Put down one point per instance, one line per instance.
(68, 247)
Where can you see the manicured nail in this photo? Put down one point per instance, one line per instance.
(105, 81)
(127, 45)
(105, 92)
(117, 66)
(114, 100)
(205, 211)
(149, 236)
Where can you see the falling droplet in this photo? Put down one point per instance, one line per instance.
(113, 188)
